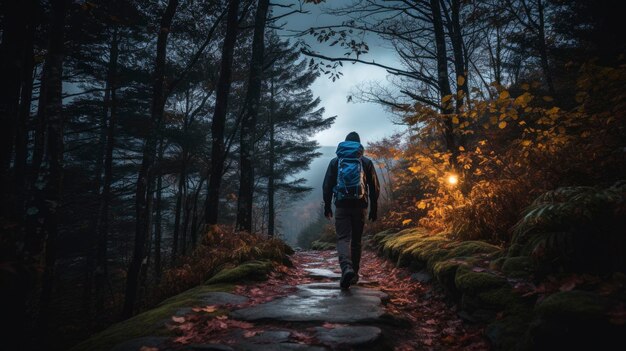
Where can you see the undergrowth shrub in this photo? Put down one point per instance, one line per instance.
(575, 229)
(219, 247)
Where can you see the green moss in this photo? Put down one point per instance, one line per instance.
(581, 305)
(507, 333)
(472, 282)
(148, 323)
(251, 270)
(322, 245)
(497, 263)
(500, 298)
(517, 267)
(378, 237)
(473, 248)
(445, 272)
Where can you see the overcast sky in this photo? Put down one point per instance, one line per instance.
(370, 120)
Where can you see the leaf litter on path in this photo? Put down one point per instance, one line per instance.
(434, 324)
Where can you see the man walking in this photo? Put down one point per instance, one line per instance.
(351, 178)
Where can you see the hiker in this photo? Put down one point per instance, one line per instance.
(351, 178)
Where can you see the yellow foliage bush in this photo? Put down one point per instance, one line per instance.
(508, 150)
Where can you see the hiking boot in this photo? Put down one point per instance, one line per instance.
(346, 278)
(354, 279)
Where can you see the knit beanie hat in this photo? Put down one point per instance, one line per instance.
(353, 136)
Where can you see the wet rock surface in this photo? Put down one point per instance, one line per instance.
(320, 302)
(348, 336)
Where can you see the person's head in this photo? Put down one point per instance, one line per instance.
(353, 136)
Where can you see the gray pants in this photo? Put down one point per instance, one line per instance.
(349, 224)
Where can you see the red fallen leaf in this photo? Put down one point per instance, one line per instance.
(427, 341)
(302, 338)
(250, 333)
(448, 339)
(618, 315)
(222, 317)
(148, 348)
(178, 319)
(208, 309)
(328, 325)
(449, 331)
(570, 283)
(431, 321)
(240, 324)
(428, 330)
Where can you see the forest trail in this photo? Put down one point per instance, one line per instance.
(302, 308)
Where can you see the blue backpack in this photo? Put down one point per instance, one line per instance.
(350, 173)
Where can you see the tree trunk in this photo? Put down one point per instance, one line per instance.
(543, 48)
(158, 269)
(248, 125)
(21, 136)
(194, 215)
(105, 197)
(442, 76)
(15, 288)
(182, 181)
(219, 116)
(143, 195)
(14, 34)
(270, 180)
(460, 67)
(52, 188)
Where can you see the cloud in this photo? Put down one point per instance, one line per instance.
(370, 120)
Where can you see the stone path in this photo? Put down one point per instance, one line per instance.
(303, 308)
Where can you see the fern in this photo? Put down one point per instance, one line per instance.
(571, 228)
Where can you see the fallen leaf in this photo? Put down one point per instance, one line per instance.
(250, 333)
(178, 319)
(208, 309)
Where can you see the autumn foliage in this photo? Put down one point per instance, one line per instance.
(510, 148)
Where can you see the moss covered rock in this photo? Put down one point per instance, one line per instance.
(473, 248)
(148, 323)
(322, 245)
(517, 267)
(507, 333)
(445, 273)
(575, 320)
(471, 282)
(251, 270)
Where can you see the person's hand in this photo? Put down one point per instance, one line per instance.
(328, 212)
(373, 215)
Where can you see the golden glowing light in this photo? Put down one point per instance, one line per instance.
(453, 179)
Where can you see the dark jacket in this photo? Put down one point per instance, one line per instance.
(372, 190)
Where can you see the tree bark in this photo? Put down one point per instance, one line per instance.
(110, 106)
(15, 288)
(14, 34)
(271, 215)
(182, 181)
(543, 48)
(143, 195)
(52, 186)
(21, 135)
(460, 66)
(219, 116)
(248, 125)
(157, 230)
(442, 76)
